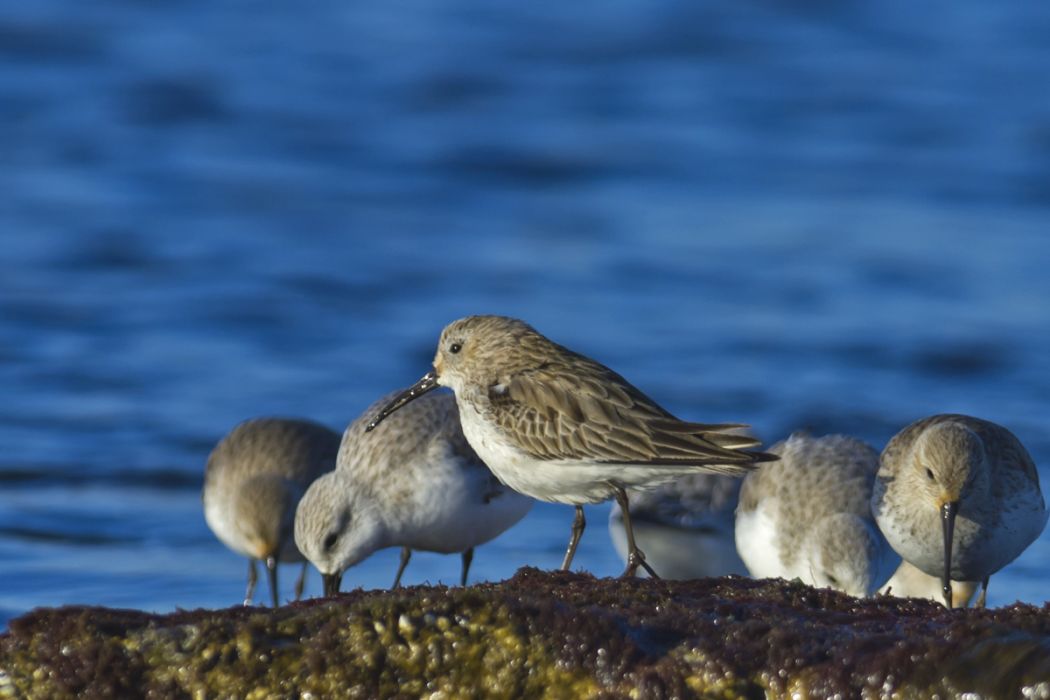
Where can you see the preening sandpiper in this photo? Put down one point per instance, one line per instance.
(808, 516)
(560, 427)
(252, 484)
(415, 484)
(959, 498)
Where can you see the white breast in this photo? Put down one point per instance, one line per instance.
(538, 478)
(756, 542)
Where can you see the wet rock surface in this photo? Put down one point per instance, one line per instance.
(553, 633)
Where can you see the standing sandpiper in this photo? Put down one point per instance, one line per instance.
(959, 498)
(562, 428)
(252, 484)
(414, 484)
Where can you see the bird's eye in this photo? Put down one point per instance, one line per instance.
(929, 474)
(832, 580)
(330, 541)
(454, 348)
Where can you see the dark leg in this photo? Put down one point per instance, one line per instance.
(271, 572)
(331, 583)
(253, 576)
(468, 556)
(635, 558)
(983, 598)
(577, 532)
(300, 583)
(406, 554)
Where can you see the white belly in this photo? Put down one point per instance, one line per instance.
(453, 517)
(977, 551)
(756, 542)
(216, 515)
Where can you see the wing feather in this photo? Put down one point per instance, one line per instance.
(581, 410)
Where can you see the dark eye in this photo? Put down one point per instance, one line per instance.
(330, 541)
(832, 580)
(929, 474)
(454, 348)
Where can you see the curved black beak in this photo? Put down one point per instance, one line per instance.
(271, 573)
(331, 583)
(948, 511)
(427, 383)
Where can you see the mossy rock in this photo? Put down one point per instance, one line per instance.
(539, 634)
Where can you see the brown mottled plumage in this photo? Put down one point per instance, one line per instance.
(414, 483)
(560, 427)
(252, 484)
(431, 428)
(958, 497)
(808, 516)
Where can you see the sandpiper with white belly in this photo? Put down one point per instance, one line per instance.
(959, 498)
(414, 484)
(252, 484)
(560, 427)
(808, 516)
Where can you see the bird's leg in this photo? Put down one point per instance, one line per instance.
(983, 598)
(300, 583)
(406, 554)
(578, 524)
(635, 557)
(468, 556)
(271, 572)
(253, 576)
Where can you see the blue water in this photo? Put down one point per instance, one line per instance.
(821, 215)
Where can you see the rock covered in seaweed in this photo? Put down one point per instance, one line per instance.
(565, 634)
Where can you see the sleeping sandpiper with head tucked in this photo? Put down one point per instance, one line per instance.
(959, 498)
(252, 484)
(807, 516)
(560, 427)
(685, 527)
(414, 484)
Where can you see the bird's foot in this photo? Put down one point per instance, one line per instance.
(634, 560)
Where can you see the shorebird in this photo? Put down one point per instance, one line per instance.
(252, 484)
(807, 516)
(959, 498)
(414, 484)
(909, 582)
(685, 527)
(562, 428)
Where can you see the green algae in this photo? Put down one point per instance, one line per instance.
(538, 634)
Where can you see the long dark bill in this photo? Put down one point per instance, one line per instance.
(271, 573)
(948, 511)
(331, 583)
(427, 383)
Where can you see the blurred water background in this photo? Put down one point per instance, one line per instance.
(830, 215)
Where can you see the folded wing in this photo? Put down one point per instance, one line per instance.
(587, 412)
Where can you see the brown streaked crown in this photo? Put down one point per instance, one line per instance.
(998, 443)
